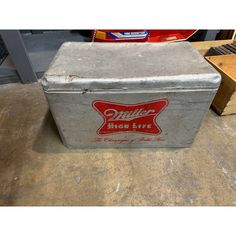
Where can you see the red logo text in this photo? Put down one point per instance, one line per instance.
(139, 118)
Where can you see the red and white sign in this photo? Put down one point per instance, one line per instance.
(141, 35)
(138, 118)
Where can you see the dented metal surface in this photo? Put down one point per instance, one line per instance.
(129, 94)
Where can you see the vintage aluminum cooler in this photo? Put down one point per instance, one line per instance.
(129, 94)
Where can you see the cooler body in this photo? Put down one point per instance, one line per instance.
(129, 95)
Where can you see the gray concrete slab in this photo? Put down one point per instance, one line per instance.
(43, 47)
(36, 169)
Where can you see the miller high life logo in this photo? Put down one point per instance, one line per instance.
(139, 118)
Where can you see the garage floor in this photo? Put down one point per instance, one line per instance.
(36, 169)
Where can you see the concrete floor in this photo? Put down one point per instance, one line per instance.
(36, 169)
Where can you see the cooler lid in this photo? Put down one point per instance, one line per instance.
(128, 66)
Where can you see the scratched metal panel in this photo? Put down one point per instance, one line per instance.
(129, 95)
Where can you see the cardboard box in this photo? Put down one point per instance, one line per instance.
(224, 102)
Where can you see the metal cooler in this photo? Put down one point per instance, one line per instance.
(129, 94)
